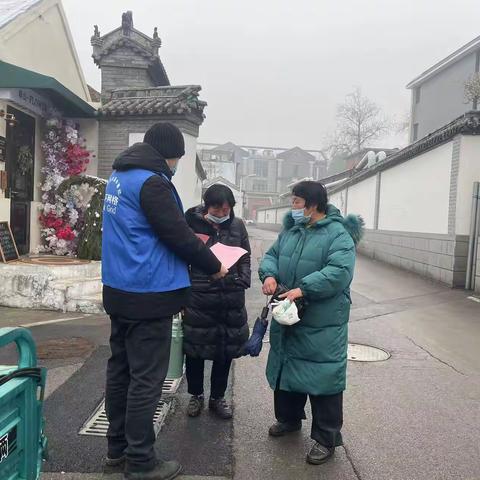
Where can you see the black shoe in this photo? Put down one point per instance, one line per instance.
(195, 405)
(114, 465)
(319, 454)
(221, 408)
(163, 471)
(279, 429)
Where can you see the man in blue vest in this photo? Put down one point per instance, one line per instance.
(146, 249)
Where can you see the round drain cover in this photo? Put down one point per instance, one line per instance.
(366, 353)
(58, 348)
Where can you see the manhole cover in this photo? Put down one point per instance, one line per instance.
(97, 424)
(53, 260)
(65, 348)
(366, 353)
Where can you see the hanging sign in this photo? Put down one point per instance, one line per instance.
(8, 247)
(23, 97)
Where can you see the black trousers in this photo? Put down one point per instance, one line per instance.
(219, 378)
(135, 375)
(327, 414)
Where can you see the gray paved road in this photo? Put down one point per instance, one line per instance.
(413, 417)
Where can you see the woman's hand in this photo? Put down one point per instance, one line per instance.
(222, 273)
(269, 286)
(292, 295)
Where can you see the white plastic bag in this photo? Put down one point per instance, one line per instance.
(285, 312)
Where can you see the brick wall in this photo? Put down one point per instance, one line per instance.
(124, 68)
(115, 77)
(442, 258)
(114, 133)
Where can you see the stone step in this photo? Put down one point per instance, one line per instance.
(51, 287)
(78, 287)
(86, 304)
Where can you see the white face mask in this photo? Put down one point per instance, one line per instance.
(217, 220)
(298, 215)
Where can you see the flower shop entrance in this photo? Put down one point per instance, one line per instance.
(20, 156)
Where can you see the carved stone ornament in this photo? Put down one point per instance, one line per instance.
(127, 23)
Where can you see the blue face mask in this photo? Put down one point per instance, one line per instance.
(217, 220)
(298, 215)
(173, 170)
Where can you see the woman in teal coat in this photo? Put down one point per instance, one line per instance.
(313, 257)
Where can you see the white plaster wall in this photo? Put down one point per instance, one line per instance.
(414, 196)
(89, 131)
(281, 212)
(185, 178)
(4, 210)
(135, 138)
(361, 200)
(468, 173)
(270, 216)
(41, 41)
(338, 199)
(35, 226)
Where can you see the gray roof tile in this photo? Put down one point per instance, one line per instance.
(171, 100)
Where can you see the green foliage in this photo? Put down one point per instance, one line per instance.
(90, 237)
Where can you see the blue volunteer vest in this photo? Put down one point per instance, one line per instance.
(133, 258)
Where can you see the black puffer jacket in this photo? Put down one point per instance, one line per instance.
(215, 322)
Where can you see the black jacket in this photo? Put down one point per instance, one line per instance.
(215, 321)
(158, 205)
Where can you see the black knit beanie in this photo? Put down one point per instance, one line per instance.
(166, 139)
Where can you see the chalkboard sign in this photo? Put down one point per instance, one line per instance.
(8, 248)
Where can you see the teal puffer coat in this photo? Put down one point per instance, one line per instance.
(311, 356)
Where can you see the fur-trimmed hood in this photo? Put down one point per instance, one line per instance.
(352, 223)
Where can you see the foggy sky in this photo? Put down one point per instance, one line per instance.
(273, 71)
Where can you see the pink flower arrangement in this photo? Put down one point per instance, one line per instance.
(61, 217)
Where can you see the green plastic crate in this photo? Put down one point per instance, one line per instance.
(22, 442)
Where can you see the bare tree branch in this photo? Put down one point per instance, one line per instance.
(359, 120)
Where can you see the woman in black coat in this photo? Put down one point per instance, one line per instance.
(215, 322)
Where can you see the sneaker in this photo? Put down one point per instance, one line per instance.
(319, 454)
(221, 408)
(195, 405)
(279, 429)
(114, 465)
(163, 471)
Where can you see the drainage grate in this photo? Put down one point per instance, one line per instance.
(97, 424)
(170, 386)
(366, 353)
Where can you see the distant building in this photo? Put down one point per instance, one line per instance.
(222, 161)
(263, 173)
(438, 94)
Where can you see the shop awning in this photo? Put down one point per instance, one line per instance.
(65, 100)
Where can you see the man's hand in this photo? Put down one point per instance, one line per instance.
(223, 271)
(292, 295)
(269, 286)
